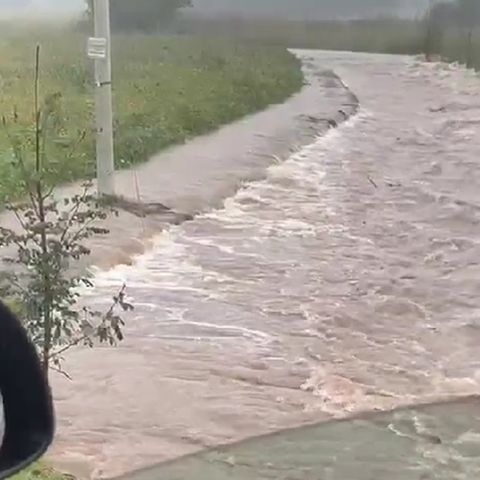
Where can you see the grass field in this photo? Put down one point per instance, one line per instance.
(166, 90)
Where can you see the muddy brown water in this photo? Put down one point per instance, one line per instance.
(346, 280)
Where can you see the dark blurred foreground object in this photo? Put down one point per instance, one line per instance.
(28, 419)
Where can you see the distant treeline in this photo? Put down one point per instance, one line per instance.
(460, 13)
(451, 31)
(140, 15)
(154, 15)
(318, 10)
(448, 28)
(396, 36)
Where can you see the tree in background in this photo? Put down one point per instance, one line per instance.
(445, 13)
(142, 15)
(435, 18)
(448, 14)
(312, 10)
(469, 19)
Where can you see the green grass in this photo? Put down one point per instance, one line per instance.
(40, 471)
(166, 90)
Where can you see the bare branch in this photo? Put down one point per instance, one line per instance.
(73, 211)
(73, 343)
(61, 372)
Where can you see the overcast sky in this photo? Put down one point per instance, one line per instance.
(47, 5)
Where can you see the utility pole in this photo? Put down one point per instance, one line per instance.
(100, 50)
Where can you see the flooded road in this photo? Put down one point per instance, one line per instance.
(346, 280)
(438, 441)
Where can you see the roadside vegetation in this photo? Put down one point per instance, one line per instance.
(41, 471)
(166, 90)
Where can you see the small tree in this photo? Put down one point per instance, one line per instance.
(50, 236)
(434, 27)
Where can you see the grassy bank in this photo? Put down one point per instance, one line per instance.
(40, 471)
(166, 90)
(393, 36)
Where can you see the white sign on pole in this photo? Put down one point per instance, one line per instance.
(97, 48)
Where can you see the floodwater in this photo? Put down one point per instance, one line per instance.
(345, 281)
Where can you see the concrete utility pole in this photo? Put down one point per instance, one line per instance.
(100, 50)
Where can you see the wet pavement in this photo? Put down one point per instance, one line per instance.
(438, 442)
(345, 280)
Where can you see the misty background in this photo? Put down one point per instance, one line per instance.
(289, 9)
(312, 9)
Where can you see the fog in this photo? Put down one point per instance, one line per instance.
(295, 9)
(312, 9)
(40, 7)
